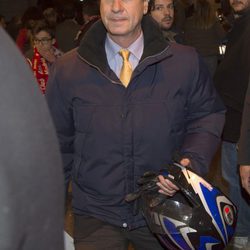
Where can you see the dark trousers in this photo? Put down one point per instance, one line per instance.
(93, 234)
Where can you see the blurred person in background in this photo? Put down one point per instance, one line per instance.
(179, 14)
(43, 54)
(66, 31)
(50, 15)
(204, 32)
(231, 80)
(2, 22)
(162, 12)
(13, 26)
(29, 19)
(91, 14)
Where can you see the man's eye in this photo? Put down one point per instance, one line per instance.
(45, 39)
(159, 8)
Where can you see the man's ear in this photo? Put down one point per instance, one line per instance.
(145, 9)
(53, 41)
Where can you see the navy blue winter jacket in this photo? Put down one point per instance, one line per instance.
(110, 135)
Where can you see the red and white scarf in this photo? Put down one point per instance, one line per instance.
(40, 69)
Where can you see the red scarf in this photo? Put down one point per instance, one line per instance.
(40, 69)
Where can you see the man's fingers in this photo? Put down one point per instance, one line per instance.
(166, 186)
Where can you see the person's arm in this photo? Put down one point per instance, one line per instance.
(244, 145)
(62, 116)
(204, 123)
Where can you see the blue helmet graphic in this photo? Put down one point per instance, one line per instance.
(199, 216)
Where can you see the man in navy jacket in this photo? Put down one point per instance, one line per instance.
(111, 134)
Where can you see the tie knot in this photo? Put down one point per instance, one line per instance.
(125, 54)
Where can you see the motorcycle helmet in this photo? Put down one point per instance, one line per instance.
(199, 216)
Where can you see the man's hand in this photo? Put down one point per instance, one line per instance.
(48, 54)
(245, 177)
(166, 186)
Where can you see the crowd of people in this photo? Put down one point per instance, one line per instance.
(44, 34)
(180, 97)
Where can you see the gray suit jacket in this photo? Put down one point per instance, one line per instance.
(31, 178)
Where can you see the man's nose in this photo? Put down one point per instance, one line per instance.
(117, 5)
(166, 11)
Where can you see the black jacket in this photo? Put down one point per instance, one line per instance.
(231, 77)
(244, 142)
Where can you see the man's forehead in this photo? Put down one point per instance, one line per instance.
(164, 2)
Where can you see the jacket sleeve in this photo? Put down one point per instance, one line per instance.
(204, 121)
(61, 112)
(244, 142)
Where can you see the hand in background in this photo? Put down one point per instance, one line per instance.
(48, 54)
(245, 177)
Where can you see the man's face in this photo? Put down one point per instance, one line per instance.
(240, 6)
(43, 41)
(163, 13)
(122, 19)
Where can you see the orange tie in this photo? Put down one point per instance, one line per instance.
(126, 70)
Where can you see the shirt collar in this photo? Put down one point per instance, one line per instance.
(136, 48)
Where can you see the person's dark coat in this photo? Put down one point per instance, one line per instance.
(85, 27)
(244, 142)
(66, 33)
(232, 75)
(110, 135)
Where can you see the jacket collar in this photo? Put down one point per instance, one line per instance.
(92, 47)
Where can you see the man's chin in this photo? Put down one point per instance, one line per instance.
(166, 28)
(240, 10)
(166, 25)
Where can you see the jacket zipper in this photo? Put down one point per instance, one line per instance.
(115, 82)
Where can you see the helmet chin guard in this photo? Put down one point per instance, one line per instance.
(199, 216)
